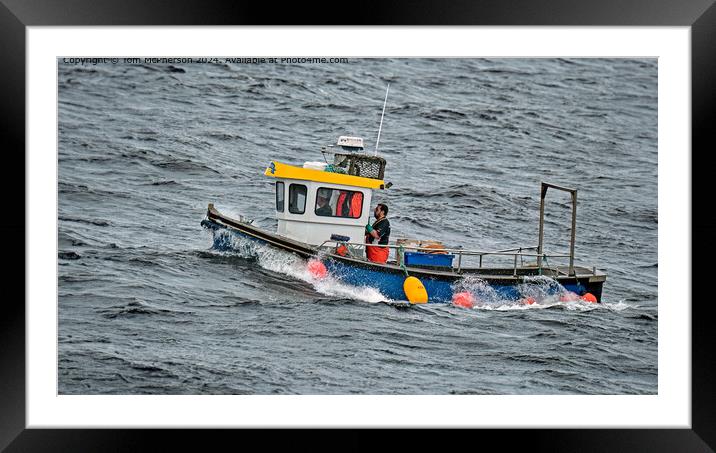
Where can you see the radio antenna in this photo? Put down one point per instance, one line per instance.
(381, 119)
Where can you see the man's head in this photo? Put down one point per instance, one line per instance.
(381, 210)
(323, 197)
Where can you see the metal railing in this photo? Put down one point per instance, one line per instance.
(516, 252)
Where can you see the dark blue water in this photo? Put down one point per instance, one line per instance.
(146, 306)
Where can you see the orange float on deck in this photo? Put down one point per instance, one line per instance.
(464, 299)
(589, 297)
(317, 269)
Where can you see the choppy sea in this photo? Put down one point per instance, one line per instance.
(146, 306)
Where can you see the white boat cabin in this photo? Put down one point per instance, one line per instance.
(318, 200)
(310, 211)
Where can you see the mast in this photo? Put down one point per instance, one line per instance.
(381, 119)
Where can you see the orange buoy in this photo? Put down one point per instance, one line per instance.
(589, 297)
(342, 250)
(317, 269)
(529, 301)
(464, 300)
(569, 296)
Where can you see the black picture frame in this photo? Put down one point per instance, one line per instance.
(16, 15)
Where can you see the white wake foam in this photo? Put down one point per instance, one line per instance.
(286, 263)
(544, 291)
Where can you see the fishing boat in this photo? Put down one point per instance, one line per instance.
(322, 211)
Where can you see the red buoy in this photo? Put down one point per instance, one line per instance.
(464, 299)
(589, 297)
(529, 301)
(317, 269)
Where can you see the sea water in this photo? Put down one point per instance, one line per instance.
(148, 306)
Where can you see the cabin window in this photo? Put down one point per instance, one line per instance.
(338, 203)
(280, 195)
(297, 198)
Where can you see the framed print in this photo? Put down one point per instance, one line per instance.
(144, 144)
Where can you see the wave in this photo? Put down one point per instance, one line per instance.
(185, 166)
(137, 307)
(102, 223)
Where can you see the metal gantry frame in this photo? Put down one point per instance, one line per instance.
(540, 245)
(517, 252)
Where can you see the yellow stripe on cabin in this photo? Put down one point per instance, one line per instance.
(279, 170)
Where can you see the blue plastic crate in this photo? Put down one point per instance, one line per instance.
(428, 259)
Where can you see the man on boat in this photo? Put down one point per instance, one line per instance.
(322, 206)
(380, 230)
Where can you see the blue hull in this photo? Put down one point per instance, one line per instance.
(389, 282)
(439, 290)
